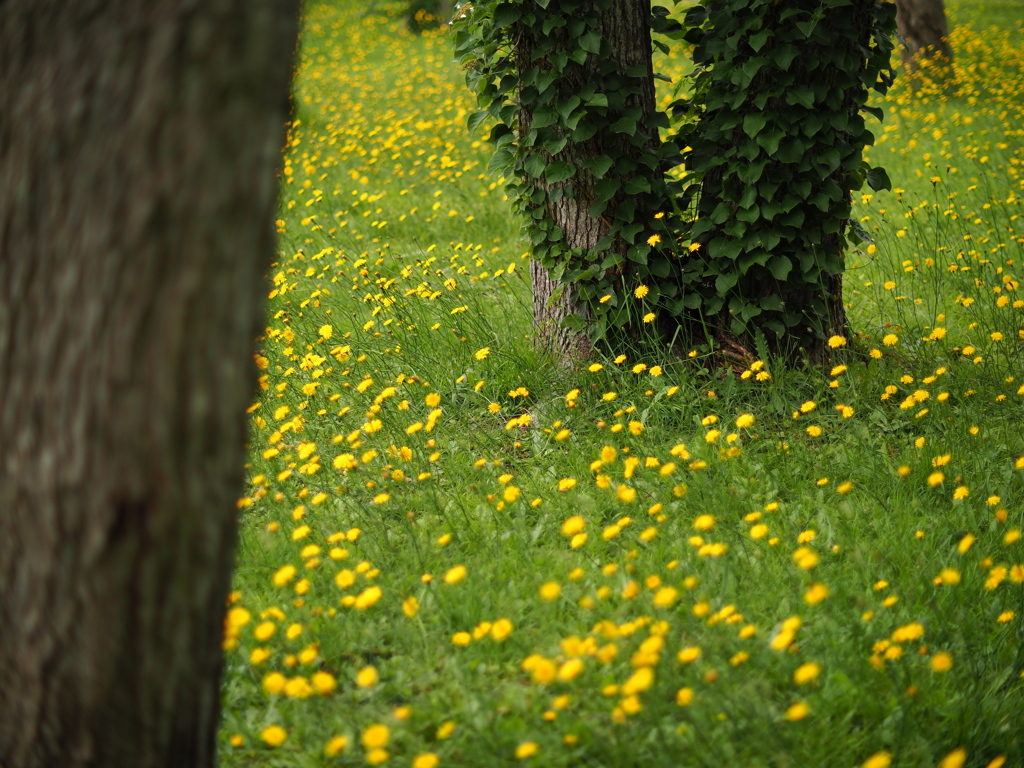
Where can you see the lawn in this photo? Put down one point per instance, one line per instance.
(455, 552)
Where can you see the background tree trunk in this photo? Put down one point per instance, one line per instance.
(625, 27)
(922, 24)
(138, 143)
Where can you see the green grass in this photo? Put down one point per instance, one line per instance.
(406, 427)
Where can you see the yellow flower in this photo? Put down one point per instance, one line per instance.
(324, 682)
(797, 711)
(941, 662)
(426, 760)
(482, 353)
(274, 682)
(649, 317)
(641, 291)
(687, 655)
(367, 677)
(666, 596)
(653, 240)
(640, 681)
(375, 736)
(550, 590)
(284, 575)
(461, 639)
(570, 670)
(908, 633)
(501, 629)
(954, 759)
(745, 420)
(335, 745)
(526, 749)
(367, 598)
(455, 575)
(704, 522)
(815, 594)
(890, 339)
(573, 525)
(805, 557)
(837, 341)
(684, 697)
(806, 672)
(878, 760)
(274, 735)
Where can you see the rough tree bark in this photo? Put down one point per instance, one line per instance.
(138, 143)
(922, 24)
(625, 27)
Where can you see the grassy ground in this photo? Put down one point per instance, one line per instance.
(455, 553)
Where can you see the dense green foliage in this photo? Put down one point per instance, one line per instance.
(777, 134)
(565, 88)
(772, 135)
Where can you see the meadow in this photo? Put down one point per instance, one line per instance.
(455, 552)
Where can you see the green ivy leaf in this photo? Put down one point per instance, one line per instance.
(780, 267)
(878, 179)
(534, 165)
(506, 13)
(474, 120)
(559, 171)
(599, 165)
(637, 184)
(753, 123)
(591, 42)
(624, 125)
(606, 188)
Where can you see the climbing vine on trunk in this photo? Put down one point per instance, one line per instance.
(777, 135)
(571, 87)
(750, 239)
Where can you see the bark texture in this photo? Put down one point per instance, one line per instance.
(138, 143)
(922, 24)
(625, 27)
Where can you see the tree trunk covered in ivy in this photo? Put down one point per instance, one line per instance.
(624, 27)
(922, 25)
(779, 149)
(138, 143)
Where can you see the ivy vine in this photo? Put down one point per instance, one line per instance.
(772, 135)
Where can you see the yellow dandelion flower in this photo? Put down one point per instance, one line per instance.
(367, 677)
(526, 749)
(799, 710)
(335, 745)
(805, 673)
(375, 736)
(455, 575)
(941, 662)
(274, 735)
(878, 760)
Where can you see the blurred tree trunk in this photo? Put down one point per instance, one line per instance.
(625, 27)
(922, 24)
(138, 142)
